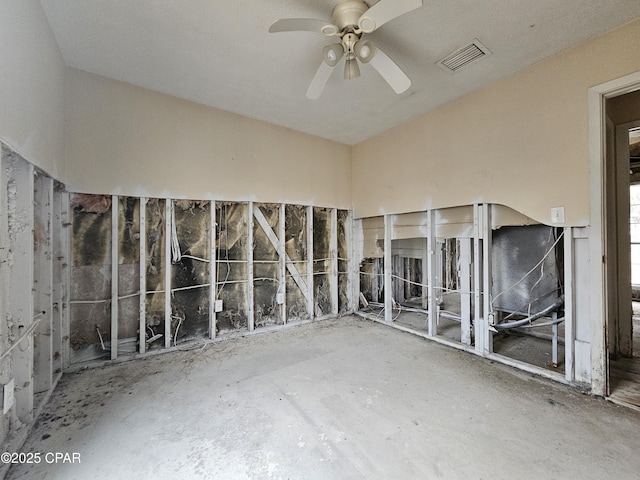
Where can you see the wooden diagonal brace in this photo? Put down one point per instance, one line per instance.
(273, 238)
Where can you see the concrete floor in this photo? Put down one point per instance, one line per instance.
(338, 399)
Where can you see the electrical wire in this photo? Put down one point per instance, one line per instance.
(176, 255)
(175, 336)
(196, 258)
(129, 296)
(539, 278)
(101, 341)
(88, 301)
(399, 312)
(225, 213)
(26, 333)
(190, 287)
(445, 290)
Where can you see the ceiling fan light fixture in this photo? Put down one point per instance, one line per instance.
(367, 24)
(332, 54)
(351, 69)
(364, 51)
(349, 20)
(329, 30)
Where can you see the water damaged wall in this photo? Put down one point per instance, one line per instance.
(34, 287)
(90, 276)
(232, 267)
(297, 252)
(249, 266)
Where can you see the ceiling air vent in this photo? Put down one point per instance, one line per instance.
(464, 56)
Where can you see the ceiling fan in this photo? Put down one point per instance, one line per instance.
(349, 21)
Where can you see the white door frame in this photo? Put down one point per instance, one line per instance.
(597, 155)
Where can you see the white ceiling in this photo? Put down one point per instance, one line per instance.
(219, 53)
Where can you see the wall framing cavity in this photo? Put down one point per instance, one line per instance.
(481, 278)
(228, 268)
(34, 291)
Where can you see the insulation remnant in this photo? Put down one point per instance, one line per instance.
(231, 288)
(155, 265)
(450, 263)
(296, 249)
(85, 202)
(321, 261)
(414, 290)
(343, 262)
(266, 269)
(190, 307)
(371, 279)
(128, 267)
(190, 239)
(90, 290)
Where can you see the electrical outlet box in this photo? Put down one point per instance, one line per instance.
(280, 298)
(8, 397)
(557, 215)
(218, 306)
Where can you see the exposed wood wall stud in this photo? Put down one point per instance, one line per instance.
(478, 319)
(432, 265)
(213, 261)
(425, 273)
(250, 300)
(282, 289)
(388, 266)
(59, 255)
(569, 306)
(465, 290)
(43, 283)
(142, 328)
(20, 188)
(333, 269)
(310, 299)
(168, 206)
(487, 277)
(65, 278)
(408, 275)
(115, 207)
(353, 266)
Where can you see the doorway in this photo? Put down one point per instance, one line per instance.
(634, 229)
(623, 250)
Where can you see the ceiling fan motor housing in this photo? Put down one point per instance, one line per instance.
(347, 13)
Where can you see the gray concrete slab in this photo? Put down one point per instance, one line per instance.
(338, 399)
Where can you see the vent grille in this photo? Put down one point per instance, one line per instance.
(464, 56)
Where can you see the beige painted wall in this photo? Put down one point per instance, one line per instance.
(520, 142)
(122, 139)
(31, 86)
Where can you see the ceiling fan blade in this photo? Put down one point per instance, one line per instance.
(319, 81)
(385, 11)
(391, 72)
(304, 25)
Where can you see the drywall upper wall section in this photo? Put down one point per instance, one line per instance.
(127, 140)
(520, 142)
(31, 86)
